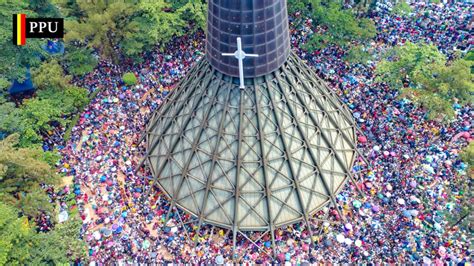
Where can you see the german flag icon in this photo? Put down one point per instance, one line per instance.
(19, 29)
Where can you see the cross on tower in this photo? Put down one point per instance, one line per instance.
(240, 55)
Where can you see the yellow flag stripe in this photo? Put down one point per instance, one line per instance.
(18, 29)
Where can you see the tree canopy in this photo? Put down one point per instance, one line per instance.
(56, 99)
(15, 236)
(20, 244)
(129, 78)
(16, 59)
(22, 171)
(129, 28)
(80, 60)
(425, 75)
(340, 25)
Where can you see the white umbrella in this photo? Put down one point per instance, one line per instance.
(96, 235)
(358, 243)
(340, 238)
(348, 226)
(63, 216)
(220, 260)
(348, 241)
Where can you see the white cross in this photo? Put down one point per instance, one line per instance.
(240, 55)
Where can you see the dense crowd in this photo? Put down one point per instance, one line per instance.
(411, 185)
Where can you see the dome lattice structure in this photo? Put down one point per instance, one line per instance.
(251, 159)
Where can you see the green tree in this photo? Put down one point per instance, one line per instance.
(9, 117)
(402, 8)
(159, 13)
(67, 101)
(403, 62)
(298, 6)
(21, 245)
(59, 246)
(15, 59)
(467, 155)
(357, 54)
(195, 13)
(131, 27)
(434, 82)
(44, 8)
(129, 78)
(470, 57)
(39, 113)
(80, 61)
(51, 105)
(50, 75)
(54, 86)
(22, 170)
(341, 26)
(70, 9)
(15, 237)
(103, 26)
(56, 99)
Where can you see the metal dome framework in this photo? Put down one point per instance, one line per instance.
(279, 150)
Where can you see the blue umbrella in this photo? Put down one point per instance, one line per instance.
(268, 244)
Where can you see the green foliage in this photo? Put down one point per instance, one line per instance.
(15, 237)
(50, 75)
(195, 13)
(358, 54)
(22, 170)
(132, 26)
(129, 78)
(69, 8)
(59, 246)
(43, 8)
(35, 115)
(470, 57)
(75, 119)
(67, 101)
(9, 117)
(163, 23)
(435, 82)
(39, 112)
(102, 27)
(51, 105)
(467, 155)
(21, 245)
(298, 6)
(402, 8)
(15, 59)
(404, 61)
(80, 61)
(342, 26)
(56, 100)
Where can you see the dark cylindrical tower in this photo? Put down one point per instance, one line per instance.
(263, 27)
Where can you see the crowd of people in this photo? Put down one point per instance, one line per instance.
(411, 185)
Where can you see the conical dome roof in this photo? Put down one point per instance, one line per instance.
(256, 158)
